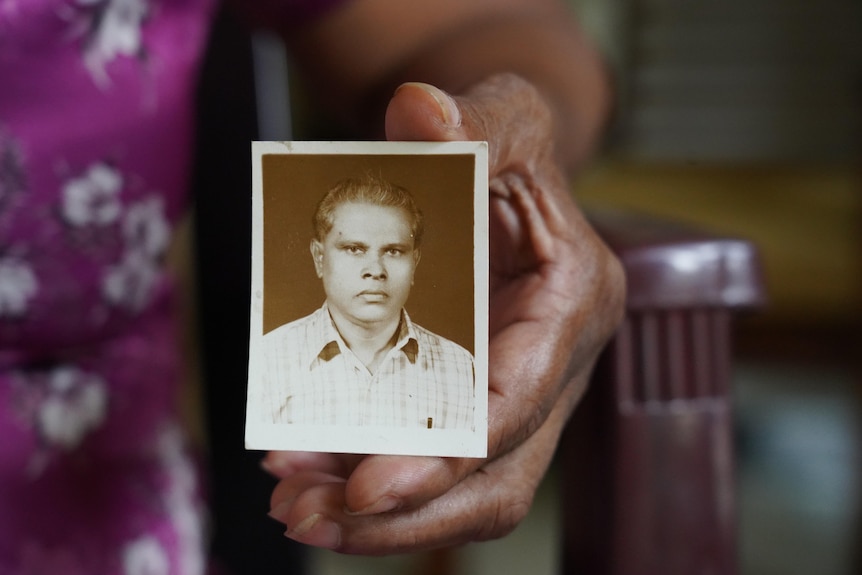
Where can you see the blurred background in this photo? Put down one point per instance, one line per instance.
(743, 117)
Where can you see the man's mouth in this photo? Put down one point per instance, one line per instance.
(373, 296)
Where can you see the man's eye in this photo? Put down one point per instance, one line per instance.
(354, 250)
(394, 252)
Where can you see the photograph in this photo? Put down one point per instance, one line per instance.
(369, 311)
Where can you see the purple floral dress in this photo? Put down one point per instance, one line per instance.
(95, 141)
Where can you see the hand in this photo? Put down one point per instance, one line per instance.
(556, 297)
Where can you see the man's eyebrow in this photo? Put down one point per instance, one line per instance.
(347, 242)
(399, 245)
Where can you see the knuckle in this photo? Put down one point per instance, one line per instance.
(504, 102)
(613, 290)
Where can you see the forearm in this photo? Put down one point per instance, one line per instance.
(454, 46)
(561, 65)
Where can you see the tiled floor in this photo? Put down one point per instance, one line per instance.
(799, 477)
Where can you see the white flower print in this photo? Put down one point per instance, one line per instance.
(129, 283)
(145, 227)
(147, 234)
(75, 404)
(114, 30)
(18, 285)
(145, 556)
(184, 504)
(93, 198)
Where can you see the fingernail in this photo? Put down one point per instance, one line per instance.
(316, 530)
(382, 505)
(279, 512)
(277, 464)
(450, 110)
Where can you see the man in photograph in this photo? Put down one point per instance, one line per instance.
(359, 360)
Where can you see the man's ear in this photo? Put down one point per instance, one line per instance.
(317, 255)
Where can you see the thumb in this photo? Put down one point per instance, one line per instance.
(422, 112)
(504, 110)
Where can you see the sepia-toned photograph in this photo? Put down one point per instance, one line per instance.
(369, 311)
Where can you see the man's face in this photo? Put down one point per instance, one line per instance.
(366, 261)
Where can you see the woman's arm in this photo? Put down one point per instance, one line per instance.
(358, 55)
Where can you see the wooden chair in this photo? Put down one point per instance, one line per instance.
(647, 460)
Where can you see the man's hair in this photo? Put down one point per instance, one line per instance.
(368, 189)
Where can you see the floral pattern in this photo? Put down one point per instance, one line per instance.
(93, 201)
(111, 29)
(74, 403)
(95, 474)
(93, 198)
(18, 285)
(182, 501)
(145, 228)
(129, 283)
(145, 556)
(62, 404)
(96, 113)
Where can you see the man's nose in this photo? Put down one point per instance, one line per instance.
(374, 268)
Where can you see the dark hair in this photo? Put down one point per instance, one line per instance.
(369, 189)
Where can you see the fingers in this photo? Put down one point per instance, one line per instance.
(378, 483)
(314, 515)
(534, 215)
(285, 463)
(309, 502)
(485, 505)
(383, 483)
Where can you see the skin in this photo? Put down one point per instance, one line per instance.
(557, 293)
(367, 262)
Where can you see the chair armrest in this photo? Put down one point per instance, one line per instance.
(670, 265)
(647, 460)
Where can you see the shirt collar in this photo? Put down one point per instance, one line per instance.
(328, 342)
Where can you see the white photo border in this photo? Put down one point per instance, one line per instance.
(263, 435)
